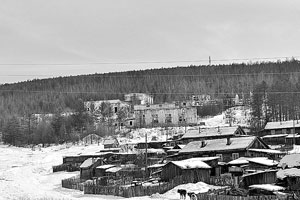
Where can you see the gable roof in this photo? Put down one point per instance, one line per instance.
(213, 132)
(282, 125)
(89, 162)
(192, 163)
(219, 145)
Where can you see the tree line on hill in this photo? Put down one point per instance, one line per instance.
(274, 85)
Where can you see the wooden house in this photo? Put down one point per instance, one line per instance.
(282, 127)
(111, 143)
(262, 163)
(211, 133)
(191, 169)
(226, 149)
(87, 168)
(289, 178)
(269, 153)
(278, 139)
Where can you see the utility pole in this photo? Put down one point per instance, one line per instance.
(146, 156)
(209, 61)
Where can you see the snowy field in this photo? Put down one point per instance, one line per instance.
(27, 174)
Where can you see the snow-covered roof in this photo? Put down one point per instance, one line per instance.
(293, 136)
(281, 125)
(263, 161)
(296, 149)
(291, 160)
(156, 166)
(219, 145)
(211, 132)
(191, 164)
(239, 161)
(293, 172)
(105, 166)
(88, 162)
(268, 187)
(269, 151)
(274, 136)
(113, 169)
(109, 141)
(151, 150)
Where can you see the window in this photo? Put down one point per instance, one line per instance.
(168, 118)
(88, 109)
(235, 156)
(284, 131)
(116, 109)
(181, 119)
(220, 156)
(272, 132)
(292, 131)
(130, 123)
(155, 118)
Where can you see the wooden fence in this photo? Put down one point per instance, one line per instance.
(221, 181)
(207, 196)
(133, 190)
(74, 183)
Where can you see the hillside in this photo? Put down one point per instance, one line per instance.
(51, 95)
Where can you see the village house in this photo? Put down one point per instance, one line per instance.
(211, 133)
(226, 149)
(167, 114)
(282, 127)
(260, 177)
(194, 170)
(87, 168)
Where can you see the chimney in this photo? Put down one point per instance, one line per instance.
(228, 141)
(202, 143)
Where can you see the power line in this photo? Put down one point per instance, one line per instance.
(147, 62)
(167, 75)
(155, 93)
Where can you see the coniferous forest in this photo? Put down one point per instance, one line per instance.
(275, 87)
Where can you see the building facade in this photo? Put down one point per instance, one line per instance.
(168, 114)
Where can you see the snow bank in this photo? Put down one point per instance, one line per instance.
(293, 172)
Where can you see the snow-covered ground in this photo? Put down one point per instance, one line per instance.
(27, 174)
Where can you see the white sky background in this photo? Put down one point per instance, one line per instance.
(113, 31)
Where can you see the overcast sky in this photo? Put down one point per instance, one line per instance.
(90, 32)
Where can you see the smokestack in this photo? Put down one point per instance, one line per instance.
(228, 141)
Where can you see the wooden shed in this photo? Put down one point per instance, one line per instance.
(191, 169)
(262, 177)
(87, 168)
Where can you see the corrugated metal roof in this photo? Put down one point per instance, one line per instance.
(218, 145)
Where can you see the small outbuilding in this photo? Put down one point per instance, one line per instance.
(87, 168)
(191, 169)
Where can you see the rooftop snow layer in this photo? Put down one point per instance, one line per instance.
(88, 162)
(263, 161)
(211, 132)
(105, 166)
(239, 161)
(281, 125)
(191, 164)
(270, 151)
(268, 187)
(113, 169)
(291, 160)
(293, 172)
(218, 145)
(274, 136)
(296, 149)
